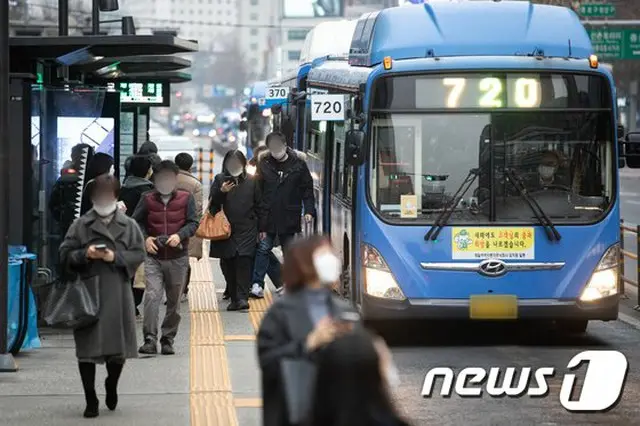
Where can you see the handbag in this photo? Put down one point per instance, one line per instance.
(214, 227)
(73, 303)
(299, 381)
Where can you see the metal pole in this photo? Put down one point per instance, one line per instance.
(7, 363)
(95, 17)
(63, 17)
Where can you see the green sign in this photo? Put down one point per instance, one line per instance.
(597, 10)
(612, 43)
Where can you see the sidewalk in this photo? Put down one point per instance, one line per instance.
(47, 391)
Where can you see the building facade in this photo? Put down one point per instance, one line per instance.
(259, 32)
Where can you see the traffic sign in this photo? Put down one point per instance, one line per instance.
(597, 10)
(328, 108)
(614, 43)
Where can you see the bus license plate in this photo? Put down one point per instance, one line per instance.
(493, 307)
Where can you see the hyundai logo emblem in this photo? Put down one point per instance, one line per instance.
(492, 268)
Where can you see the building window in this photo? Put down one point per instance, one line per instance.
(254, 2)
(298, 34)
(253, 16)
(254, 62)
(254, 31)
(254, 46)
(294, 55)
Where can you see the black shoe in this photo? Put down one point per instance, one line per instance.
(225, 295)
(149, 348)
(240, 305)
(167, 348)
(93, 409)
(112, 395)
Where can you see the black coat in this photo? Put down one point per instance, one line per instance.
(132, 191)
(240, 207)
(283, 334)
(283, 196)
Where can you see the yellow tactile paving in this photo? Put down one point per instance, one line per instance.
(239, 338)
(247, 402)
(256, 318)
(202, 299)
(209, 369)
(206, 329)
(259, 305)
(201, 271)
(213, 409)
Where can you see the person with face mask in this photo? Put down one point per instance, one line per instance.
(355, 380)
(235, 192)
(286, 186)
(106, 245)
(168, 218)
(547, 168)
(306, 319)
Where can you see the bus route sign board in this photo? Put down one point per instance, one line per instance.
(276, 95)
(328, 108)
(610, 43)
(598, 10)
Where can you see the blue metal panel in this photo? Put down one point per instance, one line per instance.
(473, 28)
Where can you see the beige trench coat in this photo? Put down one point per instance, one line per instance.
(188, 182)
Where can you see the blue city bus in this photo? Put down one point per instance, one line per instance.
(296, 83)
(474, 175)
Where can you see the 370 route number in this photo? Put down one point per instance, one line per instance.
(277, 93)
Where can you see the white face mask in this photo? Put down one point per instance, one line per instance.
(328, 267)
(546, 171)
(234, 169)
(105, 209)
(392, 376)
(112, 170)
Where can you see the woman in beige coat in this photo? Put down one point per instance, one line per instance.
(188, 182)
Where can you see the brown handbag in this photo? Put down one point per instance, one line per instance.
(214, 227)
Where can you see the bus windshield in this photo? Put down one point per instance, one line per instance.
(418, 161)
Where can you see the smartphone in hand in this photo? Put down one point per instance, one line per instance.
(101, 247)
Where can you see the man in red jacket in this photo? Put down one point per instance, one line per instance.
(168, 218)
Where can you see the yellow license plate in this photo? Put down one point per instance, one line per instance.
(493, 307)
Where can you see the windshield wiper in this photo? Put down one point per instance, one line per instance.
(549, 228)
(444, 216)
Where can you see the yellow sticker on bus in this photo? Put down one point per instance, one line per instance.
(492, 243)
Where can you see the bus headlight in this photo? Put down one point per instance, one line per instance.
(196, 132)
(604, 280)
(378, 279)
(251, 169)
(212, 133)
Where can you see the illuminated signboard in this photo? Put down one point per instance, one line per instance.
(144, 94)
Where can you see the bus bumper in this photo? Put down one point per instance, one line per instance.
(544, 309)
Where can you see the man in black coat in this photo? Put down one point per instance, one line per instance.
(286, 187)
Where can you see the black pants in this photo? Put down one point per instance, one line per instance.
(237, 274)
(138, 294)
(186, 285)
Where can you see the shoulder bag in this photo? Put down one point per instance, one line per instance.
(214, 227)
(299, 381)
(73, 303)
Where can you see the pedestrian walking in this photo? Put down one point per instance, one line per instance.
(274, 268)
(190, 183)
(136, 184)
(168, 218)
(306, 319)
(106, 245)
(236, 193)
(355, 379)
(286, 186)
(100, 164)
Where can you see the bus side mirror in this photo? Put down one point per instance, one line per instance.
(242, 126)
(354, 147)
(631, 146)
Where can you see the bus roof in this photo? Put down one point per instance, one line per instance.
(328, 38)
(506, 28)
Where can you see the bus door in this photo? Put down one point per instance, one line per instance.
(316, 148)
